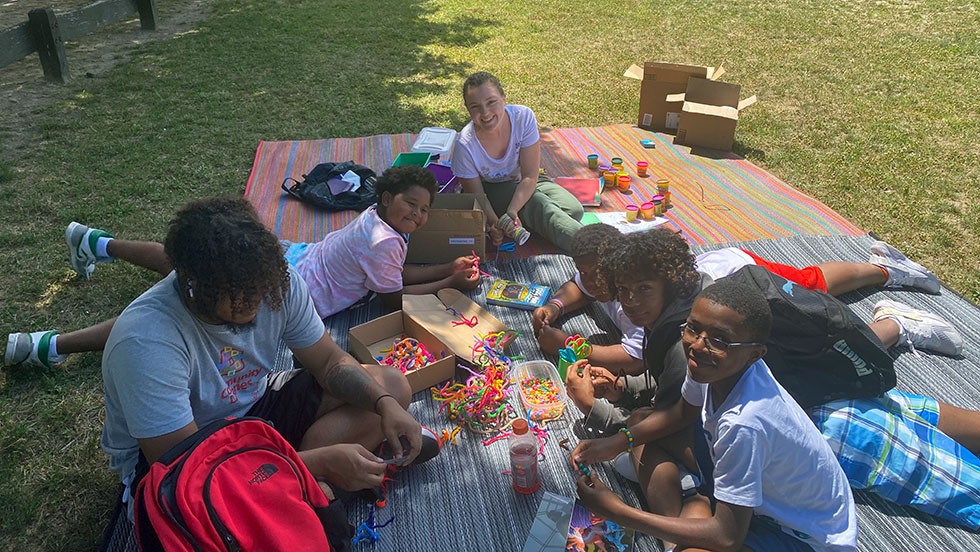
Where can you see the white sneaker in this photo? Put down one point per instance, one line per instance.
(902, 271)
(921, 329)
(31, 349)
(623, 464)
(81, 247)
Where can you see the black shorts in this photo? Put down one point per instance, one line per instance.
(290, 404)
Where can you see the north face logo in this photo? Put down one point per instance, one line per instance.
(263, 473)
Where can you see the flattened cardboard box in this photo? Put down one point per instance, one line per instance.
(430, 311)
(426, 318)
(367, 341)
(709, 114)
(456, 227)
(660, 80)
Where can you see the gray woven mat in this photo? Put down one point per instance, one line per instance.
(461, 501)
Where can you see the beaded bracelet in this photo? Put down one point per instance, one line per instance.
(557, 302)
(629, 439)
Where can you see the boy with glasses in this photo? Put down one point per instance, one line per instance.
(770, 481)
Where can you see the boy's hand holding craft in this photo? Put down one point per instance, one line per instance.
(594, 451)
(578, 384)
(606, 385)
(597, 497)
(465, 279)
(551, 339)
(347, 466)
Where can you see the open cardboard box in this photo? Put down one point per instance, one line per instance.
(660, 80)
(426, 318)
(431, 312)
(709, 114)
(456, 228)
(367, 341)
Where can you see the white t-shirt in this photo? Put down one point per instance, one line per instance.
(632, 340)
(769, 456)
(722, 262)
(164, 368)
(470, 160)
(366, 255)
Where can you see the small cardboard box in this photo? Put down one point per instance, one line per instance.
(456, 228)
(368, 340)
(660, 80)
(709, 114)
(436, 313)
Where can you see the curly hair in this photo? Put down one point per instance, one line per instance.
(479, 79)
(657, 254)
(399, 179)
(747, 301)
(591, 239)
(221, 250)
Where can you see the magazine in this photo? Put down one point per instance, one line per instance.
(588, 532)
(517, 294)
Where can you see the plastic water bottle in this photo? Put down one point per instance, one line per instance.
(524, 458)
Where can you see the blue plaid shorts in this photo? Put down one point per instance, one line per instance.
(890, 446)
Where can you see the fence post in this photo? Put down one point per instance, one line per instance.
(50, 46)
(148, 15)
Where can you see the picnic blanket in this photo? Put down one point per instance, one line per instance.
(717, 199)
(461, 500)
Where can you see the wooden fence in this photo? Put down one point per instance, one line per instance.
(46, 32)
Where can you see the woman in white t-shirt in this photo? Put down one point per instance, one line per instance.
(498, 153)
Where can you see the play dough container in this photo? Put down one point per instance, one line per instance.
(624, 182)
(631, 211)
(593, 161)
(641, 168)
(541, 389)
(646, 210)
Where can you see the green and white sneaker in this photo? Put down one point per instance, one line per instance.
(31, 349)
(921, 329)
(82, 242)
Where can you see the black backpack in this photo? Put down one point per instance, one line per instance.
(819, 350)
(315, 190)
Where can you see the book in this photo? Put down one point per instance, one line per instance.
(587, 531)
(586, 190)
(518, 295)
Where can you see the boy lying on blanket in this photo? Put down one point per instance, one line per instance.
(366, 256)
(770, 481)
(920, 463)
(618, 367)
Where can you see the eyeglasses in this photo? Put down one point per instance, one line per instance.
(712, 344)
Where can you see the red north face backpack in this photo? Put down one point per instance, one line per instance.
(236, 484)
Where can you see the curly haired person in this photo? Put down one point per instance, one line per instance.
(654, 276)
(202, 345)
(366, 256)
(622, 363)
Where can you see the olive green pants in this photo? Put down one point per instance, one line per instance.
(552, 212)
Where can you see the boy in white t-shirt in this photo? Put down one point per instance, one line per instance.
(616, 383)
(771, 481)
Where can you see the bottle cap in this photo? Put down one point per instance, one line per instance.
(520, 426)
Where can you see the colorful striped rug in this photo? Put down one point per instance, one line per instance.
(717, 199)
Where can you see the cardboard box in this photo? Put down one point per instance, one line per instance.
(427, 319)
(431, 312)
(709, 114)
(368, 340)
(660, 80)
(456, 227)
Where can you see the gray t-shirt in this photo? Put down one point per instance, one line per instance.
(163, 367)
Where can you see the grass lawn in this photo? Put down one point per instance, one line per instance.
(870, 107)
